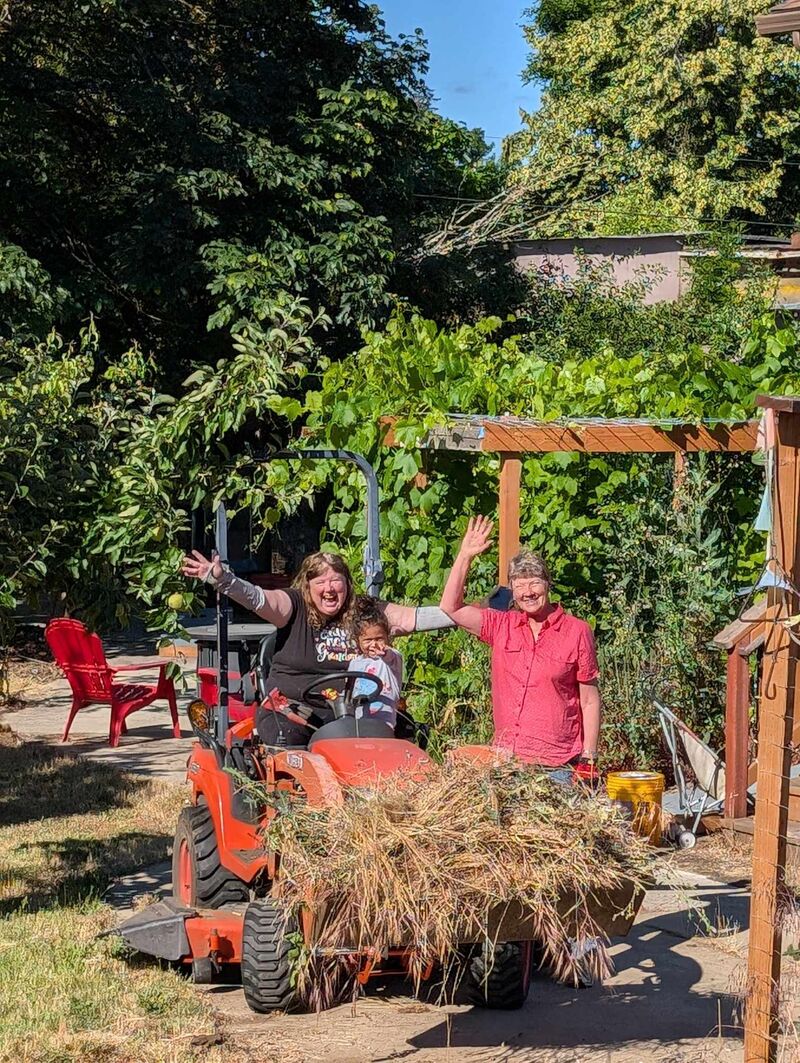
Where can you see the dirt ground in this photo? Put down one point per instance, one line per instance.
(673, 997)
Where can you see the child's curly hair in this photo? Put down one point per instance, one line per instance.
(367, 612)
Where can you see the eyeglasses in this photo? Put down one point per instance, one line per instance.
(534, 586)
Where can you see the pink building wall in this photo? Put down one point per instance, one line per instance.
(656, 258)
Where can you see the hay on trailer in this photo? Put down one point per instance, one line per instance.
(449, 857)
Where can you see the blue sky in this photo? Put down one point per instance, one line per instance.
(478, 53)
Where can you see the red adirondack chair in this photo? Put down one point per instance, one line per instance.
(80, 656)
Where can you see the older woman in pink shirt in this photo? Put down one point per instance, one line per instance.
(545, 698)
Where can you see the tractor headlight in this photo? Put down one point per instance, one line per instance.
(198, 713)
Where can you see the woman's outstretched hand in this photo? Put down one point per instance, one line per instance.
(198, 567)
(478, 537)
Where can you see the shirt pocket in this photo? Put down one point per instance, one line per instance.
(561, 665)
(510, 663)
(514, 642)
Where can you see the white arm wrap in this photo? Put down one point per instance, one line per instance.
(431, 618)
(240, 591)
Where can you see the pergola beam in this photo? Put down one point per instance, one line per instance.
(779, 20)
(511, 435)
(511, 438)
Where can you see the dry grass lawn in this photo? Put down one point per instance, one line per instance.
(67, 829)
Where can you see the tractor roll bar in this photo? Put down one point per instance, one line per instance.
(373, 567)
(221, 538)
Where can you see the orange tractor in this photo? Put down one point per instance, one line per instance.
(223, 910)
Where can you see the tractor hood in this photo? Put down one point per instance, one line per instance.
(363, 761)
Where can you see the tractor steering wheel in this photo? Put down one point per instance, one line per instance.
(344, 683)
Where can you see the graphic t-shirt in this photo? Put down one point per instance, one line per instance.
(303, 652)
(389, 670)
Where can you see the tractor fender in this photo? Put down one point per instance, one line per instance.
(363, 762)
(311, 771)
(241, 849)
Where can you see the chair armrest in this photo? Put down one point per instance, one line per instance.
(144, 666)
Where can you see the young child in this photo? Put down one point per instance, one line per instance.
(376, 657)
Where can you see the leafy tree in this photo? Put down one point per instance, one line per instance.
(100, 473)
(179, 170)
(658, 115)
(56, 445)
(178, 455)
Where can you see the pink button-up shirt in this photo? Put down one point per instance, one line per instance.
(535, 696)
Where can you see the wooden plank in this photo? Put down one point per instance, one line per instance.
(508, 511)
(757, 639)
(466, 435)
(778, 683)
(616, 438)
(734, 633)
(511, 435)
(780, 403)
(737, 715)
(775, 25)
(796, 722)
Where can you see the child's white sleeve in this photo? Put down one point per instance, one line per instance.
(389, 670)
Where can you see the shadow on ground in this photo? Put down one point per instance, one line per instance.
(660, 1001)
(38, 780)
(79, 869)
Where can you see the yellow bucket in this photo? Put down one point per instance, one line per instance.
(640, 793)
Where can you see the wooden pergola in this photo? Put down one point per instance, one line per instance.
(512, 439)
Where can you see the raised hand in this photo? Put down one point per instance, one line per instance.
(478, 537)
(198, 567)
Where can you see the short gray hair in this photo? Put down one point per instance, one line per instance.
(528, 565)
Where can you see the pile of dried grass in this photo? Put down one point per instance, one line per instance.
(433, 861)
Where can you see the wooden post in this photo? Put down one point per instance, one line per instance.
(508, 511)
(775, 728)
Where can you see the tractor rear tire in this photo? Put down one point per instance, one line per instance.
(198, 877)
(499, 977)
(266, 958)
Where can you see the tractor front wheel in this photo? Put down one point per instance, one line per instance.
(499, 977)
(198, 877)
(266, 958)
